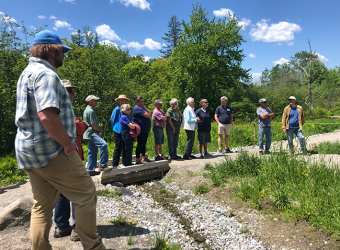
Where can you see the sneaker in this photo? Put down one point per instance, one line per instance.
(207, 155)
(74, 236)
(220, 151)
(227, 151)
(108, 168)
(165, 157)
(260, 152)
(193, 157)
(176, 157)
(93, 173)
(159, 158)
(201, 156)
(187, 158)
(58, 233)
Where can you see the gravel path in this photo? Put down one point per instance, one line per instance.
(206, 224)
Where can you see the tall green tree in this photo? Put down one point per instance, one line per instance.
(208, 58)
(171, 38)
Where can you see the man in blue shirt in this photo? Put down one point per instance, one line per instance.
(45, 145)
(264, 115)
(115, 117)
(224, 119)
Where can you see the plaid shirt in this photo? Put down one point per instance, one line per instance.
(38, 88)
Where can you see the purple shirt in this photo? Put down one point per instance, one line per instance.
(157, 115)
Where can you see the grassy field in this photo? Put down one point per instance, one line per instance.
(327, 148)
(302, 191)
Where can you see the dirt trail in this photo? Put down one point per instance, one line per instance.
(18, 238)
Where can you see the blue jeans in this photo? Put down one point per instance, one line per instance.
(128, 147)
(300, 136)
(94, 143)
(62, 213)
(268, 132)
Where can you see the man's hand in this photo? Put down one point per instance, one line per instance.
(198, 119)
(174, 130)
(284, 130)
(164, 118)
(70, 149)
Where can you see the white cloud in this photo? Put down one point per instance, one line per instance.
(251, 55)
(105, 31)
(223, 12)
(70, 1)
(244, 22)
(280, 61)
(62, 24)
(146, 58)
(108, 43)
(256, 76)
(1, 13)
(322, 58)
(290, 43)
(41, 17)
(141, 4)
(9, 19)
(148, 43)
(276, 32)
(151, 44)
(33, 27)
(53, 17)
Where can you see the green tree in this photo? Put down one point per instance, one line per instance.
(171, 38)
(208, 58)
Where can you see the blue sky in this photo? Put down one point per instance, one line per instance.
(274, 30)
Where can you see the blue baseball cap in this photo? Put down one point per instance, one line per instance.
(49, 37)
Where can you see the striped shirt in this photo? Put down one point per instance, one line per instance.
(38, 88)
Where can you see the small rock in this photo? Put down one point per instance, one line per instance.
(117, 184)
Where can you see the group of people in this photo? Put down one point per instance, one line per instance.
(49, 136)
(131, 125)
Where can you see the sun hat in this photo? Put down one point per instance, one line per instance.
(157, 102)
(67, 84)
(49, 37)
(262, 100)
(292, 98)
(92, 97)
(122, 97)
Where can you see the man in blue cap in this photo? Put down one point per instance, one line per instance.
(45, 145)
(264, 114)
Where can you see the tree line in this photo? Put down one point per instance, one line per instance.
(202, 59)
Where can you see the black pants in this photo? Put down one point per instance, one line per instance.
(190, 142)
(120, 146)
(141, 144)
(172, 139)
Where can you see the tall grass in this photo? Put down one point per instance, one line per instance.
(327, 148)
(9, 172)
(302, 190)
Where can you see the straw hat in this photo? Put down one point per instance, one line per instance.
(122, 97)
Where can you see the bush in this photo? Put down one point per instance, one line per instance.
(9, 172)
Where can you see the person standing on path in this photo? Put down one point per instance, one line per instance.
(189, 125)
(173, 127)
(293, 119)
(94, 135)
(264, 117)
(62, 209)
(45, 145)
(126, 124)
(224, 119)
(141, 115)
(119, 142)
(203, 128)
(159, 118)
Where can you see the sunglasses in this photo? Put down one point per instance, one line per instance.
(127, 109)
(206, 102)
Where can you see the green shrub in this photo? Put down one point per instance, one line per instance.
(201, 189)
(9, 172)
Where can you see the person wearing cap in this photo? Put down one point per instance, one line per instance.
(45, 145)
(141, 115)
(224, 119)
(159, 118)
(93, 135)
(119, 142)
(293, 119)
(189, 125)
(173, 127)
(203, 128)
(62, 209)
(264, 115)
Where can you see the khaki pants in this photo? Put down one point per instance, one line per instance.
(66, 175)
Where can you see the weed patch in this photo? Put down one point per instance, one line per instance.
(201, 189)
(109, 194)
(122, 221)
(9, 172)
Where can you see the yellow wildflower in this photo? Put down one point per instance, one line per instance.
(147, 239)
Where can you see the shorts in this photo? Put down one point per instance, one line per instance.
(204, 137)
(224, 128)
(159, 135)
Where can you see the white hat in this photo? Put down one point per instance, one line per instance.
(67, 84)
(92, 97)
(292, 98)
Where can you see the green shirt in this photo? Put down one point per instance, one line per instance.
(174, 115)
(90, 117)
